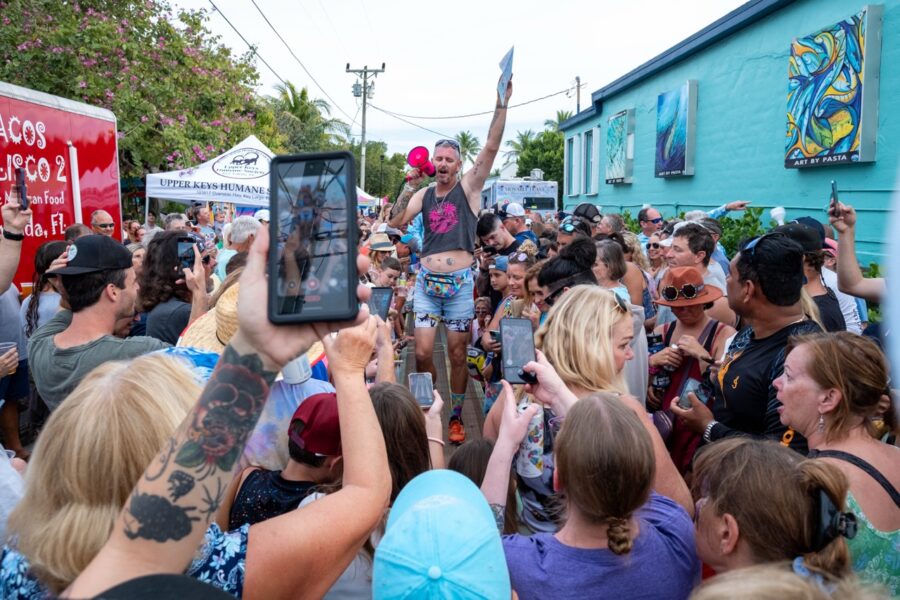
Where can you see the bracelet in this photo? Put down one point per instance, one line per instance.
(436, 441)
(13, 237)
(708, 431)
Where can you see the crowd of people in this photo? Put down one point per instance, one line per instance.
(693, 424)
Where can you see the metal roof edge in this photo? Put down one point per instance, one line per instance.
(20, 93)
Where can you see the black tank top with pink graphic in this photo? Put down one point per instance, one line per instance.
(449, 222)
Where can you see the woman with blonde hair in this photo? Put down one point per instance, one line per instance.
(831, 388)
(90, 453)
(760, 502)
(626, 522)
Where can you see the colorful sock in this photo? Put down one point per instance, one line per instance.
(456, 404)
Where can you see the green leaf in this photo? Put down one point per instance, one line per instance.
(227, 461)
(191, 455)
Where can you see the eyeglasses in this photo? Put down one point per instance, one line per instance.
(688, 291)
(656, 221)
(519, 258)
(550, 299)
(105, 225)
(567, 227)
(620, 303)
(653, 245)
(453, 143)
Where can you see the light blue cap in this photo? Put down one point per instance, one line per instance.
(500, 263)
(441, 541)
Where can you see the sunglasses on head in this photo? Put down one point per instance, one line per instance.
(453, 143)
(620, 303)
(653, 245)
(750, 247)
(688, 291)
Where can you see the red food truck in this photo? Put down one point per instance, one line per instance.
(70, 156)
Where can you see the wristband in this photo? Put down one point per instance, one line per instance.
(13, 237)
(708, 431)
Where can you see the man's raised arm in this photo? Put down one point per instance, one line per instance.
(475, 177)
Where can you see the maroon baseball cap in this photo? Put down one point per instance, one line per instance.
(315, 426)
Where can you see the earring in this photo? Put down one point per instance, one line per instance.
(821, 426)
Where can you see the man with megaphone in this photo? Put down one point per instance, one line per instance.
(445, 285)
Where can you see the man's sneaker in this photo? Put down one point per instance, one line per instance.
(457, 433)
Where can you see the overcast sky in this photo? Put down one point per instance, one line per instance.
(442, 58)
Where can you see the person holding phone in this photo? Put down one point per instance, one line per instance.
(690, 344)
(445, 287)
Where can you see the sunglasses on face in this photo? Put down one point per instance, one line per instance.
(105, 225)
(688, 291)
(653, 245)
(656, 221)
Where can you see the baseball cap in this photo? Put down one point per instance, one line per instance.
(499, 263)
(92, 253)
(815, 225)
(512, 209)
(262, 215)
(804, 235)
(320, 429)
(407, 238)
(589, 212)
(441, 541)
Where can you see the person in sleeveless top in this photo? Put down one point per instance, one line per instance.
(831, 388)
(445, 286)
(314, 444)
(690, 345)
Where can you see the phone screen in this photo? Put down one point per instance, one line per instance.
(23, 189)
(380, 301)
(422, 388)
(312, 254)
(186, 253)
(834, 197)
(517, 339)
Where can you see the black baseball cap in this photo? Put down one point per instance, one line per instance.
(814, 224)
(589, 212)
(93, 253)
(806, 236)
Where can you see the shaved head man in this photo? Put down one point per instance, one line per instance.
(102, 223)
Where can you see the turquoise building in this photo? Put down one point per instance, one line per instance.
(768, 104)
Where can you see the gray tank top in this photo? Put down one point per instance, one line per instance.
(449, 222)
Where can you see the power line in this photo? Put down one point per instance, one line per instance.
(272, 27)
(479, 114)
(249, 45)
(399, 118)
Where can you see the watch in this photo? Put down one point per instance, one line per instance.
(15, 237)
(708, 431)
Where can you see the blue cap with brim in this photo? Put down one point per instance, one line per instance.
(407, 238)
(441, 541)
(500, 263)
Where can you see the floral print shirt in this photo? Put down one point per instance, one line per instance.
(219, 562)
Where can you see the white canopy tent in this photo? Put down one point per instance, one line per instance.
(239, 176)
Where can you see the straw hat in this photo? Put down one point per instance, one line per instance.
(216, 328)
(381, 242)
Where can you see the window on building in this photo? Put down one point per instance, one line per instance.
(588, 145)
(570, 166)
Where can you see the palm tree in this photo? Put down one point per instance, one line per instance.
(469, 146)
(517, 145)
(312, 115)
(561, 115)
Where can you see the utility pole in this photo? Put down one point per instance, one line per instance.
(578, 94)
(366, 90)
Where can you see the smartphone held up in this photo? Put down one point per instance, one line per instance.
(312, 252)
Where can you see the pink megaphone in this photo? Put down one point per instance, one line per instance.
(418, 159)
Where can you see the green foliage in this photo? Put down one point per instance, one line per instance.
(380, 183)
(179, 95)
(469, 146)
(561, 115)
(736, 230)
(545, 152)
(631, 223)
(306, 123)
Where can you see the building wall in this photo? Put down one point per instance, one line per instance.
(741, 124)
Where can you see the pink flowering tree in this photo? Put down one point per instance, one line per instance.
(180, 96)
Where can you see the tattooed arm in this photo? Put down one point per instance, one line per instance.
(409, 202)
(302, 553)
(473, 180)
(163, 521)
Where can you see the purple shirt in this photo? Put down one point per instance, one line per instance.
(662, 563)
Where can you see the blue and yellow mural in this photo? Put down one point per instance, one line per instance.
(826, 78)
